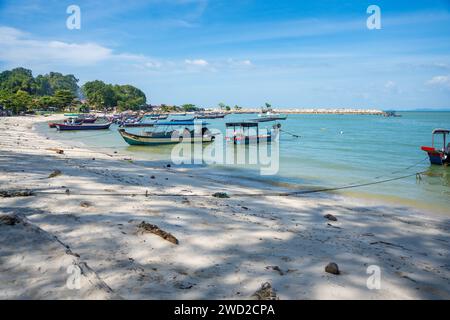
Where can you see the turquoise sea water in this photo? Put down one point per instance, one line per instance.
(333, 151)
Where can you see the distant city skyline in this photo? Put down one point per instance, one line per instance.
(291, 54)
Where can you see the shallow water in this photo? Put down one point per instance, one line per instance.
(333, 151)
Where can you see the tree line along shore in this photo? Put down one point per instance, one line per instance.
(21, 93)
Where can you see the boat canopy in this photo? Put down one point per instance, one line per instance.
(441, 131)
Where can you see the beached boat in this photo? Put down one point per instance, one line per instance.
(73, 127)
(439, 156)
(248, 132)
(88, 120)
(169, 133)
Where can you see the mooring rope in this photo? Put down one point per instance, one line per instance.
(290, 133)
(259, 194)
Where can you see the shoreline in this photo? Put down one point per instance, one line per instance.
(228, 247)
(230, 175)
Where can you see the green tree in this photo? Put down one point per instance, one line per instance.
(18, 79)
(64, 99)
(129, 98)
(99, 94)
(189, 107)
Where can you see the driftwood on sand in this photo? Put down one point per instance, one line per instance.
(9, 220)
(145, 227)
(55, 174)
(15, 193)
(266, 292)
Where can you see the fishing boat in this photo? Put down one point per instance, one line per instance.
(248, 132)
(181, 120)
(88, 119)
(389, 114)
(436, 155)
(156, 116)
(74, 126)
(210, 116)
(270, 116)
(170, 133)
(76, 120)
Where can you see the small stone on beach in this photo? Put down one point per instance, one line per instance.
(55, 174)
(330, 217)
(332, 268)
(85, 204)
(222, 195)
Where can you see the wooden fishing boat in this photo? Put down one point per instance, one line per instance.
(269, 116)
(210, 116)
(73, 127)
(248, 132)
(436, 155)
(67, 121)
(156, 116)
(169, 134)
(88, 120)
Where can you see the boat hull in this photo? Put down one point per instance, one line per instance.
(436, 156)
(138, 140)
(71, 127)
(250, 140)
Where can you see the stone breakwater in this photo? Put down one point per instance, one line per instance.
(318, 111)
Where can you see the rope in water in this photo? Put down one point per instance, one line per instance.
(289, 133)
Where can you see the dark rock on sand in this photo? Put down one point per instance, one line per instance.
(55, 174)
(9, 220)
(222, 195)
(330, 217)
(332, 268)
(85, 204)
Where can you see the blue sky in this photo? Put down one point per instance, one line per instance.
(245, 52)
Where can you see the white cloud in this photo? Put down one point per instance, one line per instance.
(239, 63)
(197, 62)
(390, 84)
(439, 81)
(19, 48)
(22, 49)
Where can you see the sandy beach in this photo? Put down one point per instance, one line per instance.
(85, 209)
